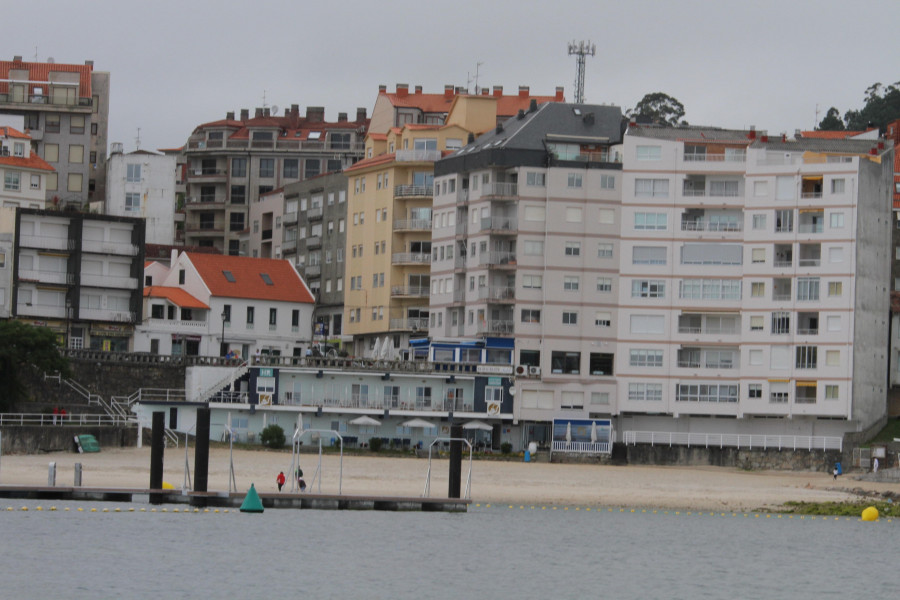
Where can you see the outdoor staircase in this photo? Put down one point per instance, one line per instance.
(223, 383)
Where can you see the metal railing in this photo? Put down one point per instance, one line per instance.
(409, 290)
(582, 447)
(45, 420)
(412, 224)
(500, 189)
(401, 191)
(411, 257)
(733, 440)
(220, 385)
(704, 157)
(510, 224)
(417, 155)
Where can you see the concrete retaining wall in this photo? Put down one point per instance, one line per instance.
(31, 439)
(741, 458)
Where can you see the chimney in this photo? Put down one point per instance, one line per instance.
(881, 145)
(485, 91)
(17, 59)
(559, 94)
(174, 257)
(520, 115)
(532, 106)
(266, 111)
(342, 117)
(245, 114)
(89, 63)
(873, 151)
(498, 90)
(315, 114)
(752, 134)
(783, 137)
(295, 110)
(418, 89)
(523, 91)
(258, 113)
(797, 134)
(360, 115)
(448, 91)
(402, 90)
(764, 138)
(471, 138)
(459, 90)
(499, 128)
(116, 148)
(229, 116)
(382, 89)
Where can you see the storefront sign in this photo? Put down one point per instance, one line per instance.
(495, 369)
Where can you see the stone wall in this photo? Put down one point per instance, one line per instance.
(32, 439)
(741, 458)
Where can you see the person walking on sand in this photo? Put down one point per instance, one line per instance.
(834, 472)
(280, 480)
(875, 466)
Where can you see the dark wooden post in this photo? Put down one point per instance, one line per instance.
(456, 432)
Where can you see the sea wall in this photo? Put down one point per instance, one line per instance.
(32, 439)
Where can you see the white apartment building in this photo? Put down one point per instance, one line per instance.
(142, 184)
(23, 172)
(753, 290)
(213, 305)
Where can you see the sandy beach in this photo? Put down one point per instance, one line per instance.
(701, 488)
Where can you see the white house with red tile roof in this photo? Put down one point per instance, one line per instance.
(24, 173)
(211, 305)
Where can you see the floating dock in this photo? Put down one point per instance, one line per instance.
(303, 500)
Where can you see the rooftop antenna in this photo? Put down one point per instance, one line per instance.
(35, 54)
(816, 124)
(475, 78)
(137, 140)
(264, 100)
(581, 50)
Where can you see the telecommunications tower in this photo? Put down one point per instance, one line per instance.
(581, 50)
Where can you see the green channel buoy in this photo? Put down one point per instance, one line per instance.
(252, 503)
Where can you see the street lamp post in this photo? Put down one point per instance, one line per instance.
(68, 312)
(223, 349)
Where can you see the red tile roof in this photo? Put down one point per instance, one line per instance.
(830, 135)
(287, 286)
(41, 72)
(371, 162)
(174, 295)
(33, 162)
(507, 105)
(12, 132)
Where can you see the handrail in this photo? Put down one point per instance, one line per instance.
(428, 473)
(735, 440)
(47, 420)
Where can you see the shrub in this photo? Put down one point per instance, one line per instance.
(375, 444)
(505, 447)
(272, 436)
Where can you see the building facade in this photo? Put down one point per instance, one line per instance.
(232, 162)
(23, 172)
(142, 184)
(66, 112)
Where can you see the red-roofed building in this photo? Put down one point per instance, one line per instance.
(23, 173)
(65, 108)
(231, 162)
(213, 305)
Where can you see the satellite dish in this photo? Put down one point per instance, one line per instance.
(274, 109)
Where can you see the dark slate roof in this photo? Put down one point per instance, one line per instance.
(820, 145)
(690, 133)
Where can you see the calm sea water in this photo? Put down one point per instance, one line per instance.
(496, 552)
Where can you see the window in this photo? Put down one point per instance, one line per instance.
(833, 358)
(652, 324)
(273, 316)
(651, 187)
(238, 167)
(600, 363)
(756, 357)
(76, 124)
(655, 288)
(806, 357)
(133, 173)
(570, 318)
(831, 392)
(267, 167)
(645, 358)
(535, 282)
(291, 168)
(607, 216)
(756, 323)
(837, 186)
(607, 182)
(834, 323)
(648, 152)
(836, 254)
(573, 248)
(565, 362)
(534, 248)
(574, 180)
(784, 221)
(723, 188)
(602, 319)
(604, 250)
(573, 214)
(604, 284)
(760, 188)
(535, 179)
(132, 202)
(570, 283)
(758, 255)
(781, 323)
(754, 390)
(759, 222)
(785, 188)
(12, 181)
(313, 166)
(35, 182)
(236, 222)
(758, 289)
(837, 220)
(648, 255)
(690, 392)
(51, 153)
(76, 154)
(238, 194)
(51, 123)
(808, 288)
(75, 182)
(250, 314)
(650, 221)
(645, 391)
(531, 315)
(710, 289)
(835, 288)
(534, 213)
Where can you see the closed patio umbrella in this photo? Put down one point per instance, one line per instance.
(418, 424)
(593, 432)
(366, 421)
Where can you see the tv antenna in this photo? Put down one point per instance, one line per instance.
(471, 78)
(581, 50)
(137, 140)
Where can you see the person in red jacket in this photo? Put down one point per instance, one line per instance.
(280, 480)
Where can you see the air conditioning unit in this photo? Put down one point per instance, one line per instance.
(521, 370)
(534, 371)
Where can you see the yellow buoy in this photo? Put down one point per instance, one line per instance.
(167, 486)
(870, 514)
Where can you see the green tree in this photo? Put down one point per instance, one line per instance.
(273, 437)
(882, 105)
(660, 108)
(26, 348)
(832, 121)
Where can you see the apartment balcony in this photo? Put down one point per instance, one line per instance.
(411, 258)
(46, 243)
(204, 175)
(98, 314)
(289, 218)
(46, 277)
(502, 327)
(289, 246)
(313, 241)
(204, 229)
(266, 235)
(417, 155)
(104, 247)
(401, 225)
(409, 324)
(734, 159)
(810, 227)
(500, 190)
(413, 191)
(192, 203)
(498, 259)
(176, 326)
(42, 102)
(462, 196)
(24, 309)
(459, 262)
(313, 271)
(409, 291)
(314, 214)
(459, 296)
(497, 294)
(462, 229)
(713, 225)
(106, 281)
(500, 225)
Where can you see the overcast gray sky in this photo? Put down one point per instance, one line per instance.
(176, 64)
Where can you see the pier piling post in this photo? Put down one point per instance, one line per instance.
(456, 433)
(156, 455)
(201, 457)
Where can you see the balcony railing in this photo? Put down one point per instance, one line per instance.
(500, 224)
(288, 245)
(314, 241)
(709, 330)
(462, 228)
(497, 258)
(314, 214)
(497, 293)
(809, 262)
(503, 189)
(739, 157)
(496, 327)
(404, 191)
(98, 247)
(97, 314)
(107, 281)
(50, 243)
(412, 224)
(459, 295)
(175, 326)
(208, 172)
(810, 228)
(459, 262)
(808, 331)
(312, 271)
(43, 99)
(409, 324)
(411, 258)
(810, 195)
(416, 291)
(462, 196)
(289, 218)
(702, 225)
(46, 276)
(418, 155)
(782, 263)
